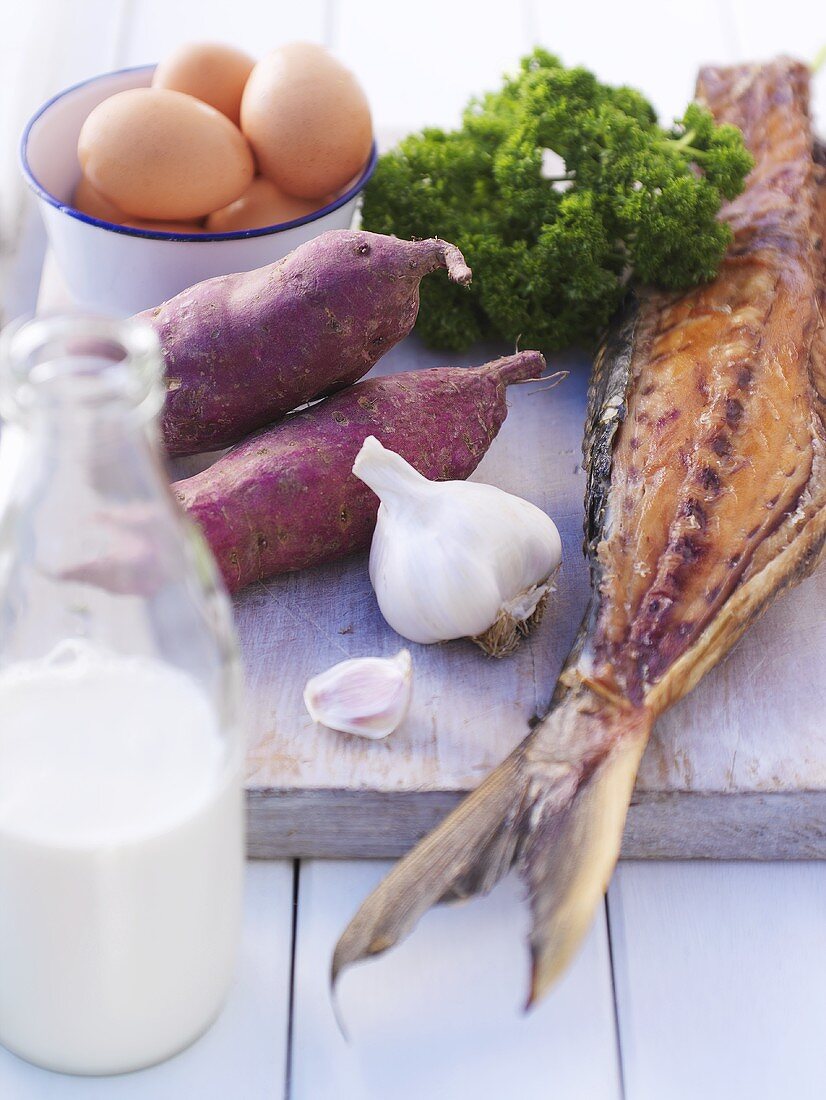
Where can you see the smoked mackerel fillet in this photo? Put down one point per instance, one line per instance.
(706, 459)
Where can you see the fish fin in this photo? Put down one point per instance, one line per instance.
(555, 807)
(468, 852)
(572, 845)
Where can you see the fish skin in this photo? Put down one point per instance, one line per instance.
(718, 425)
(713, 402)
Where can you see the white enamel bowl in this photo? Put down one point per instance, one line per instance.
(111, 268)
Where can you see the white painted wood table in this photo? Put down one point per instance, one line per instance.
(700, 981)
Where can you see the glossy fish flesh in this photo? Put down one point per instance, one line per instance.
(705, 451)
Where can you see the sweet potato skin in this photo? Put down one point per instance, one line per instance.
(286, 498)
(243, 350)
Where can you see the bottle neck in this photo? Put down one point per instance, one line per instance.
(80, 396)
(74, 367)
(81, 472)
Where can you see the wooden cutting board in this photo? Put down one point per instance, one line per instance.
(737, 770)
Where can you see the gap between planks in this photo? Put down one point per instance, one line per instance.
(720, 979)
(243, 1054)
(441, 1015)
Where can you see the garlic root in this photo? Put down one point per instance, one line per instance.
(504, 636)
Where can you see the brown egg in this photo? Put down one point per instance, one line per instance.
(261, 204)
(307, 119)
(165, 227)
(89, 200)
(164, 155)
(212, 73)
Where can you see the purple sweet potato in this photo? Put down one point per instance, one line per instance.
(243, 350)
(286, 498)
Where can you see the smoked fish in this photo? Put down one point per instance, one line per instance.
(705, 453)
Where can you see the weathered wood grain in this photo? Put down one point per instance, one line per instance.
(737, 770)
(718, 974)
(675, 825)
(467, 709)
(441, 1016)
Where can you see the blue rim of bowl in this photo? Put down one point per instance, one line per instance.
(152, 234)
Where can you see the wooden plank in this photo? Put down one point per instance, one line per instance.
(737, 770)
(657, 49)
(21, 264)
(440, 1016)
(720, 980)
(295, 625)
(244, 1053)
(753, 728)
(422, 69)
(677, 825)
(45, 46)
(155, 28)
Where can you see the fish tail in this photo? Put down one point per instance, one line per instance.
(555, 808)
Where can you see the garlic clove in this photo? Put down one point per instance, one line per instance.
(365, 696)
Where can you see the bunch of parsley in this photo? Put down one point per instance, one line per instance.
(551, 253)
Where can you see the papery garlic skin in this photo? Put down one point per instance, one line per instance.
(455, 559)
(366, 696)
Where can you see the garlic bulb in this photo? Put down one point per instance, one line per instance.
(455, 559)
(367, 696)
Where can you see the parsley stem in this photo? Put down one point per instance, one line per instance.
(683, 145)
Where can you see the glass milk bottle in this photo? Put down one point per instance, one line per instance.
(121, 823)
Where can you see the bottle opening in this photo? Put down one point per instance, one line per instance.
(79, 359)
